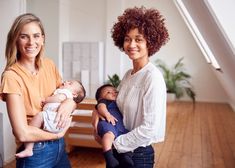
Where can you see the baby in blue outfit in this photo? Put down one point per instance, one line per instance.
(111, 126)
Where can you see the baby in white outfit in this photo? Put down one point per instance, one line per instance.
(68, 89)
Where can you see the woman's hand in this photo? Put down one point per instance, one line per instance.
(64, 112)
(67, 125)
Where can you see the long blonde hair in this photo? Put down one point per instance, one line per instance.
(11, 53)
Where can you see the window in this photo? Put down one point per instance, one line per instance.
(197, 35)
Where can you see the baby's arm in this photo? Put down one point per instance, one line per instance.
(57, 98)
(103, 111)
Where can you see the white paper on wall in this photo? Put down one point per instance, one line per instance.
(84, 59)
(76, 70)
(85, 80)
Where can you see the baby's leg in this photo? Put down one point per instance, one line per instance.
(107, 141)
(36, 121)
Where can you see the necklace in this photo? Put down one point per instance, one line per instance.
(32, 70)
(34, 73)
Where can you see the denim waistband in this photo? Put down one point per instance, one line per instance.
(51, 141)
(142, 148)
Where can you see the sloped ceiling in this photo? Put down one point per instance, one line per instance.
(217, 43)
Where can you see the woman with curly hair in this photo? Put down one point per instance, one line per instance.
(140, 33)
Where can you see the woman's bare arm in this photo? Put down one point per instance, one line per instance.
(22, 131)
(58, 98)
(95, 120)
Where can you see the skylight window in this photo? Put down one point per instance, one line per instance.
(209, 56)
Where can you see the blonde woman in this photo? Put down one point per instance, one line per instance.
(29, 77)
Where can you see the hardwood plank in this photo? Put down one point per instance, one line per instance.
(213, 122)
(186, 161)
(225, 147)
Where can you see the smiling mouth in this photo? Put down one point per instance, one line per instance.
(30, 50)
(132, 51)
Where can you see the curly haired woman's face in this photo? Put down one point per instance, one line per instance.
(30, 40)
(135, 45)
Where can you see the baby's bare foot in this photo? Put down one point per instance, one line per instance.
(24, 153)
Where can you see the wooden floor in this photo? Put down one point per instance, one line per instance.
(200, 137)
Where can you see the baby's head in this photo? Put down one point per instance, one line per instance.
(106, 91)
(76, 88)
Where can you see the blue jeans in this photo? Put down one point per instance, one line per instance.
(143, 157)
(46, 154)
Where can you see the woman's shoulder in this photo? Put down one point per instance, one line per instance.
(46, 60)
(12, 71)
(47, 63)
(153, 70)
(128, 73)
(153, 74)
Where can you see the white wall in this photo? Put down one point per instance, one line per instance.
(114, 58)
(223, 18)
(87, 20)
(48, 12)
(7, 17)
(64, 20)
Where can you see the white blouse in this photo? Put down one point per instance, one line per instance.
(142, 101)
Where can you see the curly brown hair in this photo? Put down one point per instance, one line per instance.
(149, 22)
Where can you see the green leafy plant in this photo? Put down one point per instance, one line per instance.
(114, 80)
(177, 80)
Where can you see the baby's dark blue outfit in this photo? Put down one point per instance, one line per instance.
(117, 129)
(104, 126)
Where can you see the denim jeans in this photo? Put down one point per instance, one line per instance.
(46, 154)
(143, 157)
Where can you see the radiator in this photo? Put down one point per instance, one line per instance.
(7, 140)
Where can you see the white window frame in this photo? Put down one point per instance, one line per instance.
(209, 56)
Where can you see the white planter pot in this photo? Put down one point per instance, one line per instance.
(171, 97)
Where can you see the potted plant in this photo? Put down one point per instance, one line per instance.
(177, 80)
(114, 80)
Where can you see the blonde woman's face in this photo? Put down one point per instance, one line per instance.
(30, 41)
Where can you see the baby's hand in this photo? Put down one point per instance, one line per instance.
(111, 119)
(43, 102)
